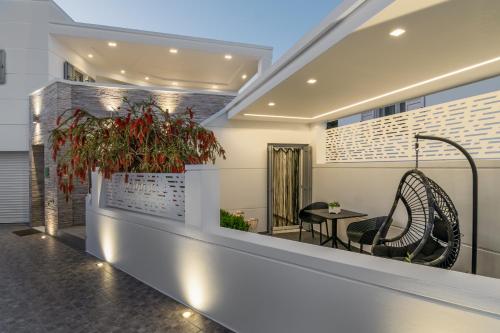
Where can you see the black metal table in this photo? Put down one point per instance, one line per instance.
(344, 214)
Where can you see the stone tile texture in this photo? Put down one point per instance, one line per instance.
(46, 286)
(58, 97)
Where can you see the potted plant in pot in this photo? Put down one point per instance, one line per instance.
(334, 207)
(233, 221)
(138, 138)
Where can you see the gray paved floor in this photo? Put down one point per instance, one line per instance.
(46, 286)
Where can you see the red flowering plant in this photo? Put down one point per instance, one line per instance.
(145, 138)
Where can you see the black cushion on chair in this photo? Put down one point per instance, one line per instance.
(431, 251)
(440, 230)
(363, 232)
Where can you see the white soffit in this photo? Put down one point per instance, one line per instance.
(147, 57)
(446, 44)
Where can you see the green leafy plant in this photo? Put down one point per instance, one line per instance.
(231, 221)
(142, 137)
(334, 204)
(408, 257)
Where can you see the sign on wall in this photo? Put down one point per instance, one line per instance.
(473, 122)
(159, 194)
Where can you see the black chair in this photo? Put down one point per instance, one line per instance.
(363, 232)
(313, 219)
(431, 235)
(446, 231)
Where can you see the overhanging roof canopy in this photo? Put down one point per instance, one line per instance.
(446, 44)
(158, 59)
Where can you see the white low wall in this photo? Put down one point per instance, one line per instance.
(254, 283)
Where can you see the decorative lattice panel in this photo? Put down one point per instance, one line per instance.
(160, 194)
(473, 122)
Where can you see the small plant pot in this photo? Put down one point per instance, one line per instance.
(334, 210)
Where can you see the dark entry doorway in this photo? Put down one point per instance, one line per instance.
(289, 183)
(37, 186)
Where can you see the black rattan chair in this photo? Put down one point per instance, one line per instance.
(431, 235)
(313, 219)
(446, 231)
(363, 232)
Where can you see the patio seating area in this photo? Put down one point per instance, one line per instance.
(431, 235)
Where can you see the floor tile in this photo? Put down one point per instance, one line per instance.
(48, 286)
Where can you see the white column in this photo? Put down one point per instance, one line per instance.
(202, 196)
(97, 197)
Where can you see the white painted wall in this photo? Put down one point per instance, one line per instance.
(370, 187)
(255, 283)
(244, 172)
(23, 35)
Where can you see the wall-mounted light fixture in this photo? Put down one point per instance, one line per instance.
(36, 119)
(2, 66)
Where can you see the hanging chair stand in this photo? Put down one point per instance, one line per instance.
(474, 189)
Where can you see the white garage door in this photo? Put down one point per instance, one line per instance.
(14, 187)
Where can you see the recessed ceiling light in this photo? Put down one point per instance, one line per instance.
(271, 104)
(90, 55)
(122, 71)
(214, 87)
(390, 93)
(99, 264)
(146, 78)
(244, 76)
(187, 314)
(397, 32)
(112, 44)
(228, 57)
(175, 83)
(43, 237)
(312, 81)
(173, 51)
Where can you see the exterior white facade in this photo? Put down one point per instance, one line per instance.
(204, 265)
(28, 30)
(24, 36)
(37, 37)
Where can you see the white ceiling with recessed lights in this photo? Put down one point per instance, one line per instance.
(144, 58)
(409, 49)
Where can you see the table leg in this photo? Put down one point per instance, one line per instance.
(334, 238)
(334, 233)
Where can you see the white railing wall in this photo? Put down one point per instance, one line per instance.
(473, 122)
(256, 283)
(191, 197)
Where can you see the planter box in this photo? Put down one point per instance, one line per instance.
(159, 194)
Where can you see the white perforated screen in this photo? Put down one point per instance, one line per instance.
(473, 122)
(160, 194)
